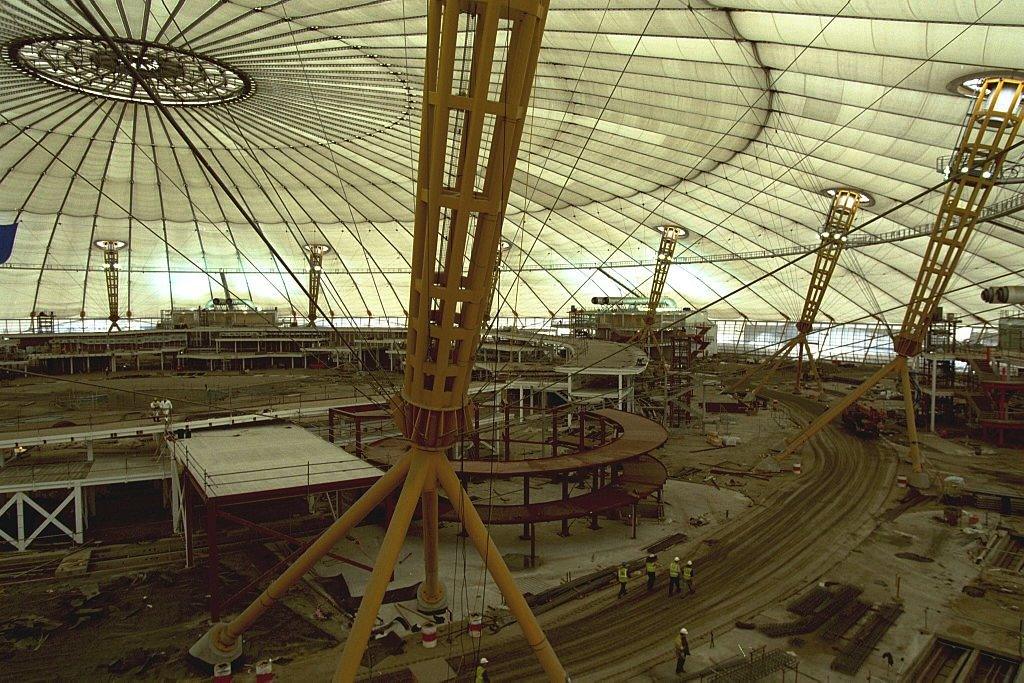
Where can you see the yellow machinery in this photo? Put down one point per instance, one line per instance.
(462, 190)
(838, 223)
(989, 133)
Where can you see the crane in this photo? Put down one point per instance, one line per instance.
(990, 131)
(838, 222)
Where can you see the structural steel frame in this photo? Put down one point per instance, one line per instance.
(989, 132)
(838, 223)
(460, 203)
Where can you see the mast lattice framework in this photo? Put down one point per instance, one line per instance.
(989, 132)
(838, 223)
(469, 141)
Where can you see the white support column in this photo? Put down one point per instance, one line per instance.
(79, 535)
(21, 545)
(88, 451)
(568, 417)
(935, 364)
(620, 392)
(13, 501)
(175, 502)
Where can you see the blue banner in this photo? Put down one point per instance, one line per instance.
(7, 233)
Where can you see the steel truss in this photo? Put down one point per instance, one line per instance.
(838, 223)
(989, 133)
(469, 141)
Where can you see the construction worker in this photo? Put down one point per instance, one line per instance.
(682, 649)
(651, 566)
(674, 574)
(688, 576)
(623, 578)
(165, 409)
(481, 671)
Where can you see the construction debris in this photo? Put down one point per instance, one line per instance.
(824, 611)
(856, 651)
(74, 564)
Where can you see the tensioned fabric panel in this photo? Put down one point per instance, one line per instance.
(728, 117)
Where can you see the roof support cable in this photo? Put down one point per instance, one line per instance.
(239, 206)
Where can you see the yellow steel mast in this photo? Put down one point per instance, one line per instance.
(315, 253)
(666, 249)
(111, 270)
(838, 223)
(989, 133)
(462, 189)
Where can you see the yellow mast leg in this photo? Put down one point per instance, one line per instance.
(224, 636)
(989, 133)
(359, 633)
(496, 567)
(838, 223)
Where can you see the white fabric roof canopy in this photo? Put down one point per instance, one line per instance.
(729, 118)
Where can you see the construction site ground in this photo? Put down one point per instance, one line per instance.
(136, 611)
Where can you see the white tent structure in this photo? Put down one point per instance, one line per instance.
(731, 118)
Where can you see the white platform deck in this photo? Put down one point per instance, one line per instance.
(105, 469)
(269, 458)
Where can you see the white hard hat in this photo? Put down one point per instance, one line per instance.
(483, 660)
(689, 562)
(683, 631)
(675, 559)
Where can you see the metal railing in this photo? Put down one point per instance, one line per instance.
(1012, 169)
(25, 476)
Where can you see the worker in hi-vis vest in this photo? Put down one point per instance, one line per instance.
(688, 576)
(675, 571)
(623, 578)
(651, 566)
(481, 671)
(682, 649)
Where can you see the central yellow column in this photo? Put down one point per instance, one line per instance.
(430, 598)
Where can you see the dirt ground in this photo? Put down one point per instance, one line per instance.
(139, 624)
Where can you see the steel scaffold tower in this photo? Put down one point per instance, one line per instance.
(990, 131)
(315, 254)
(838, 223)
(666, 249)
(111, 269)
(469, 141)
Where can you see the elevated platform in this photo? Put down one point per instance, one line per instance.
(632, 474)
(584, 356)
(268, 461)
(640, 478)
(637, 436)
(103, 469)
